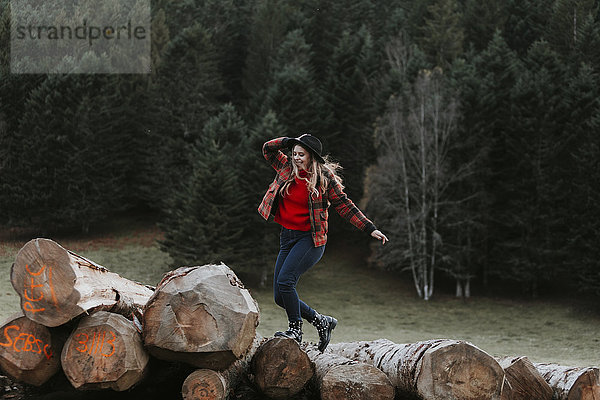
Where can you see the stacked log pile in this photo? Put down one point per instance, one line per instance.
(100, 331)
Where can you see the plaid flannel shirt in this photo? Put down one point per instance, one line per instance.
(318, 204)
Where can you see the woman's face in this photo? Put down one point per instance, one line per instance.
(301, 157)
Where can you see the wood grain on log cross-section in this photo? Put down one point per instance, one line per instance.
(571, 383)
(29, 352)
(206, 384)
(339, 378)
(202, 316)
(524, 381)
(435, 369)
(56, 285)
(105, 351)
(281, 368)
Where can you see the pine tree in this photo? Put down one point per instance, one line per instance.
(68, 156)
(206, 217)
(587, 47)
(582, 96)
(481, 20)
(160, 38)
(186, 93)
(262, 237)
(443, 35)
(350, 84)
(565, 26)
(526, 23)
(536, 143)
(487, 111)
(294, 95)
(268, 28)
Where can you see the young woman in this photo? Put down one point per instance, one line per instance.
(299, 198)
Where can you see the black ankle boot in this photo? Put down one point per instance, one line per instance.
(325, 325)
(294, 331)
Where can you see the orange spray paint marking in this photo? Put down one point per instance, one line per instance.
(92, 346)
(10, 341)
(30, 344)
(33, 286)
(30, 296)
(82, 342)
(20, 337)
(35, 273)
(48, 351)
(112, 343)
(27, 306)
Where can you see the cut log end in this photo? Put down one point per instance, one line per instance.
(204, 384)
(105, 351)
(524, 382)
(56, 285)
(29, 352)
(201, 316)
(281, 368)
(571, 383)
(459, 370)
(587, 386)
(44, 283)
(356, 381)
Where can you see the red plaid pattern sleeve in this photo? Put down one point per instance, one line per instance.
(347, 209)
(273, 154)
(279, 161)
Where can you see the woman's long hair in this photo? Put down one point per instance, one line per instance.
(316, 179)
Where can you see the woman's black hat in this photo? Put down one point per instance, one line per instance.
(309, 142)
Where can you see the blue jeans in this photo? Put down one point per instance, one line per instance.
(297, 253)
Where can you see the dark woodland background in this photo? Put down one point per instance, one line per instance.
(468, 131)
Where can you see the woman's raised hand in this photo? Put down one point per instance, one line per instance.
(379, 236)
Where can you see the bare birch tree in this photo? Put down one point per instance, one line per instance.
(409, 182)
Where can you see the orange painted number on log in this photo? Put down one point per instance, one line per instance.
(112, 343)
(97, 345)
(30, 342)
(82, 342)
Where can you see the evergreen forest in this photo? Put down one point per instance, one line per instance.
(469, 132)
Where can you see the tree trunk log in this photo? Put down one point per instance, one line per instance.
(571, 383)
(524, 380)
(339, 378)
(281, 368)
(435, 369)
(29, 352)
(207, 384)
(105, 351)
(56, 285)
(202, 316)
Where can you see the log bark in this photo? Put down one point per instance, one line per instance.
(524, 380)
(207, 384)
(571, 383)
(29, 352)
(57, 285)
(339, 378)
(104, 351)
(435, 369)
(281, 368)
(202, 316)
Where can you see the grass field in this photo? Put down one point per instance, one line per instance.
(369, 304)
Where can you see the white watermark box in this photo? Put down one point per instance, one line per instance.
(80, 36)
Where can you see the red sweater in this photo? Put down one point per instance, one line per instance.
(293, 212)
